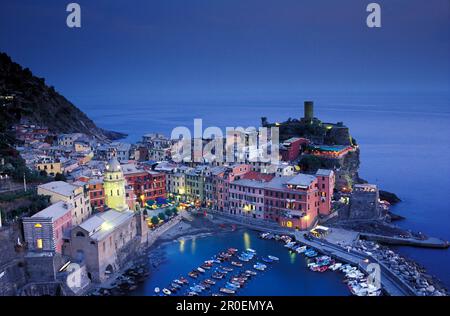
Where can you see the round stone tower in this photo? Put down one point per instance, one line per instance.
(114, 186)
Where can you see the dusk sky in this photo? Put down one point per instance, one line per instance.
(131, 51)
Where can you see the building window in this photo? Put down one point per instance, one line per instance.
(39, 243)
(37, 225)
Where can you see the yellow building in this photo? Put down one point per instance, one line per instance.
(114, 186)
(51, 167)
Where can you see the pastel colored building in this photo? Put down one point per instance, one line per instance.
(50, 166)
(147, 184)
(97, 193)
(74, 194)
(326, 184)
(290, 149)
(293, 202)
(45, 230)
(224, 179)
(246, 196)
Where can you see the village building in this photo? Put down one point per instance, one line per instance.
(45, 230)
(50, 166)
(73, 194)
(105, 241)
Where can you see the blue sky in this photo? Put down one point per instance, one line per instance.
(191, 50)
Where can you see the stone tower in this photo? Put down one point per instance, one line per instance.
(309, 110)
(114, 186)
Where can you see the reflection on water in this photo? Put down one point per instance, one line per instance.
(246, 240)
(289, 276)
(182, 243)
(292, 255)
(193, 245)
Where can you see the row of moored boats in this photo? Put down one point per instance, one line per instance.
(355, 279)
(227, 272)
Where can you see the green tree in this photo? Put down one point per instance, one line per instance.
(168, 212)
(310, 163)
(155, 220)
(162, 216)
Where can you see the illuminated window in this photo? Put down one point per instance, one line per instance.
(37, 225)
(39, 243)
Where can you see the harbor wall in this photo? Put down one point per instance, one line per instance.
(427, 243)
(153, 235)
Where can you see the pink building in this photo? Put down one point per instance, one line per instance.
(293, 202)
(246, 195)
(290, 149)
(326, 183)
(219, 182)
(45, 230)
(223, 181)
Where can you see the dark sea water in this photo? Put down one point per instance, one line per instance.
(289, 276)
(404, 141)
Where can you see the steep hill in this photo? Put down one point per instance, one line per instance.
(40, 104)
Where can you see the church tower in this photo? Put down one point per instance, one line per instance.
(114, 186)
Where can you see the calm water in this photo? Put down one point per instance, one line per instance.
(290, 276)
(404, 142)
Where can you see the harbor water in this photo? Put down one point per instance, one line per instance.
(288, 276)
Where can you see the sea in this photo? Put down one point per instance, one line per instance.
(403, 137)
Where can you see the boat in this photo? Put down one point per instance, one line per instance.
(172, 289)
(237, 264)
(227, 291)
(175, 285)
(228, 269)
(205, 285)
(273, 258)
(209, 281)
(200, 270)
(232, 250)
(195, 289)
(301, 249)
(311, 253)
(166, 291)
(217, 275)
(179, 282)
(157, 290)
(260, 266)
(192, 293)
(290, 244)
(184, 280)
(216, 294)
(193, 274)
(266, 259)
(335, 266)
(251, 272)
(251, 250)
(232, 286)
(206, 266)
